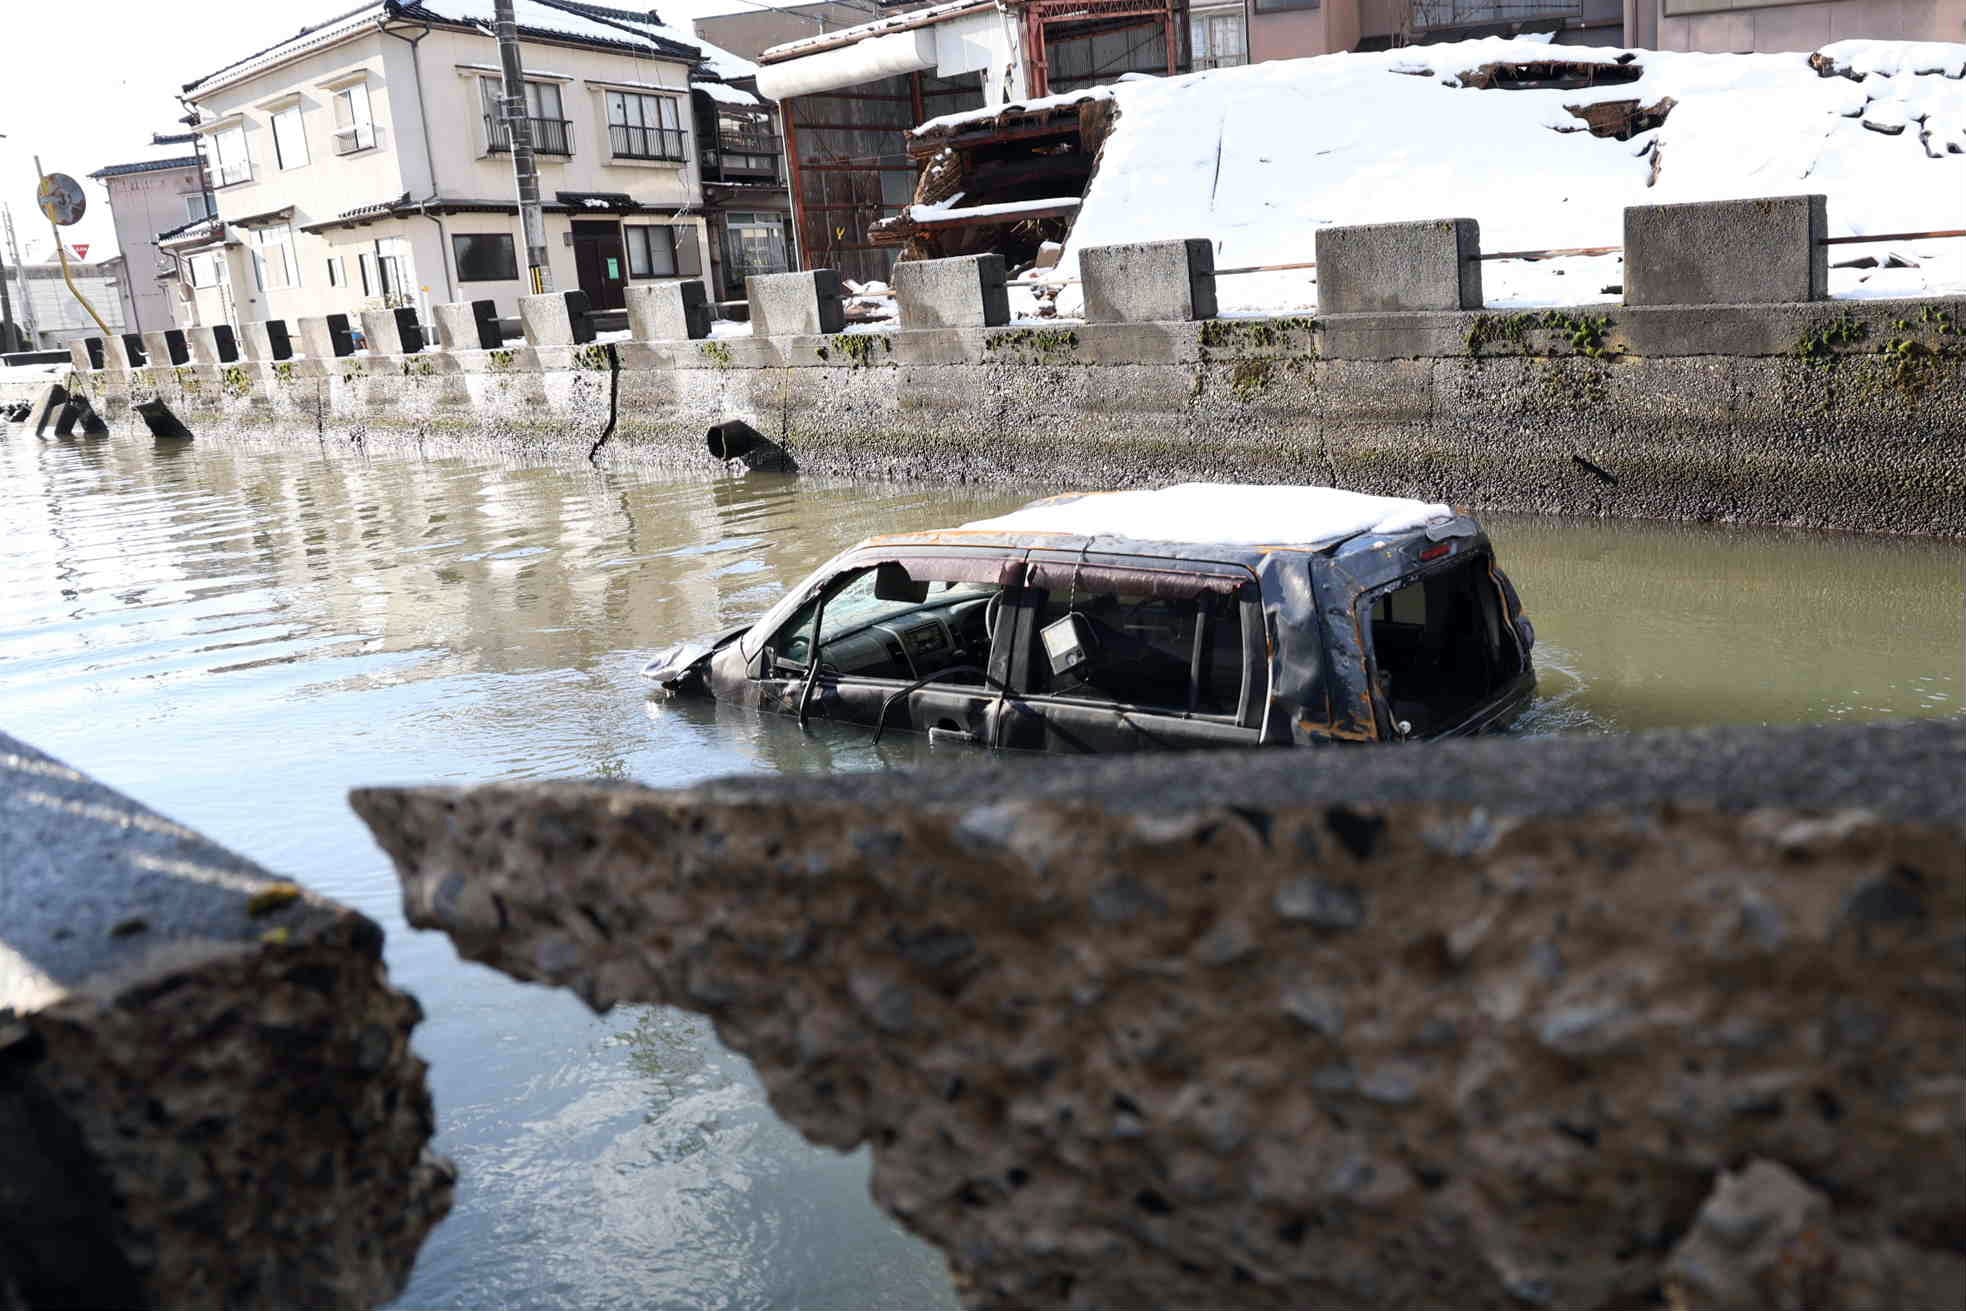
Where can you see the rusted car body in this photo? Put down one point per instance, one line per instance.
(1015, 633)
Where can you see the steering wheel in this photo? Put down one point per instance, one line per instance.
(991, 612)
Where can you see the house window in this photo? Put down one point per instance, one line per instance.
(229, 156)
(753, 244)
(289, 138)
(1215, 40)
(196, 207)
(651, 252)
(202, 270)
(551, 133)
(337, 271)
(354, 125)
(384, 274)
(1274, 6)
(644, 127)
(485, 256)
(273, 258)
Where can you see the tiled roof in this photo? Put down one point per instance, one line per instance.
(144, 166)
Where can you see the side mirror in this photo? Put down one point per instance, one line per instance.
(892, 584)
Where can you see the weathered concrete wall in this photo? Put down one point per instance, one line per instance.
(1463, 1025)
(1815, 415)
(207, 1092)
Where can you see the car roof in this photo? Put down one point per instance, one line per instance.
(1232, 522)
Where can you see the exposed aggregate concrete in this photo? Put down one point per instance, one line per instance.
(1577, 1023)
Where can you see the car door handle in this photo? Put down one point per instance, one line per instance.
(937, 733)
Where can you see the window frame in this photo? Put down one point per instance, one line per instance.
(628, 113)
(359, 131)
(197, 205)
(1283, 6)
(631, 232)
(293, 114)
(231, 170)
(510, 250)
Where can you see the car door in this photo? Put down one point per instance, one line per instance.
(906, 643)
(1176, 658)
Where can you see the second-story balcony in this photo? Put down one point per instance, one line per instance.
(550, 136)
(741, 156)
(628, 142)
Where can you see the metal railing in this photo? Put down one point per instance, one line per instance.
(629, 142)
(550, 136)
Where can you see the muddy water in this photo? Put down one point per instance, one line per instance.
(238, 637)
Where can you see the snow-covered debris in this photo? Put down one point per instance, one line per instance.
(949, 209)
(1259, 157)
(1225, 514)
(1890, 58)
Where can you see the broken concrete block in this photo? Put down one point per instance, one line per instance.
(208, 1096)
(1727, 252)
(795, 304)
(1375, 1029)
(668, 311)
(1399, 267)
(965, 292)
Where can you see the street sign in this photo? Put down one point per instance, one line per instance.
(81, 250)
(61, 199)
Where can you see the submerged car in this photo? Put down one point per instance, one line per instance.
(1200, 615)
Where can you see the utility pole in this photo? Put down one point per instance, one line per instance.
(6, 300)
(519, 129)
(26, 324)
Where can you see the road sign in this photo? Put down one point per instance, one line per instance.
(61, 199)
(81, 250)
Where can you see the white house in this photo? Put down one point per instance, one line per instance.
(361, 163)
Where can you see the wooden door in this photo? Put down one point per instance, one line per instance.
(601, 264)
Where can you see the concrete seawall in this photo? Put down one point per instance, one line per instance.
(1569, 1022)
(1809, 414)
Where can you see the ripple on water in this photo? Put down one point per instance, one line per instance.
(238, 637)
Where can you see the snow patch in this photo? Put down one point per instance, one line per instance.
(1261, 156)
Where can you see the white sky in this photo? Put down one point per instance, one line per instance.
(85, 85)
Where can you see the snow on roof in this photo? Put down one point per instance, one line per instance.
(923, 17)
(1221, 514)
(571, 19)
(1258, 157)
(945, 210)
(144, 166)
(725, 94)
(965, 117)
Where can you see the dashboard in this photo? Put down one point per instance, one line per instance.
(914, 644)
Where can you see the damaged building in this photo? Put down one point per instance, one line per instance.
(865, 193)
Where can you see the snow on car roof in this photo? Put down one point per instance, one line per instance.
(1223, 514)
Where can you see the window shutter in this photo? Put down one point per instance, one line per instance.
(689, 264)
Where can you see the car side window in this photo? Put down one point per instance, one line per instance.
(1174, 655)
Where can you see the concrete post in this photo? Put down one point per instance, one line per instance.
(1149, 281)
(668, 311)
(556, 318)
(965, 292)
(795, 304)
(202, 345)
(461, 327)
(1379, 268)
(266, 342)
(1727, 252)
(167, 347)
(392, 332)
(78, 357)
(326, 337)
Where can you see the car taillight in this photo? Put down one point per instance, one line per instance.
(1435, 551)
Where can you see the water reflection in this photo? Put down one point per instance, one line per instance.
(238, 637)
